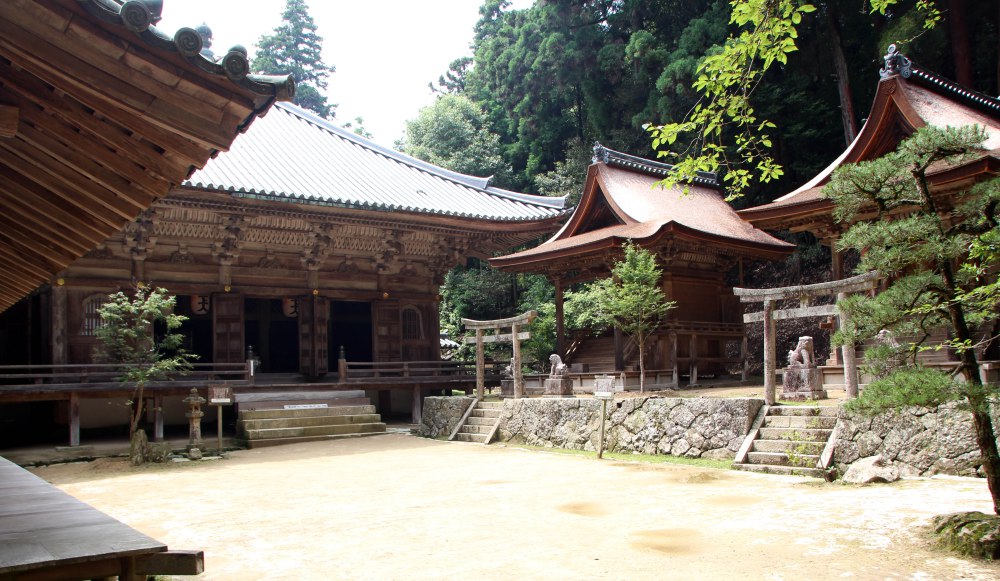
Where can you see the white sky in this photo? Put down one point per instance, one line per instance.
(385, 51)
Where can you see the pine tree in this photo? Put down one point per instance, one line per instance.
(296, 49)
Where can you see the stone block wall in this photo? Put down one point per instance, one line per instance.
(441, 415)
(696, 427)
(920, 441)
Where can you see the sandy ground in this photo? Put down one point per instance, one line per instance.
(401, 507)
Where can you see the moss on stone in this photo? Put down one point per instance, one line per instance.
(970, 533)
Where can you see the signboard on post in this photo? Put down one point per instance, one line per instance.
(220, 395)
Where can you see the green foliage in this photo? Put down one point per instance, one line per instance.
(358, 127)
(910, 386)
(295, 48)
(129, 340)
(452, 133)
(918, 249)
(938, 255)
(633, 299)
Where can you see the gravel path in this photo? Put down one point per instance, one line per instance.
(401, 507)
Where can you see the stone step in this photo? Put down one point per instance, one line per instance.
(476, 438)
(795, 434)
(490, 405)
(307, 412)
(280, 404)
(782, 459)
(487, 413)
(788, 470)
(305, 431)
(785, 446)
(821, 422)
(800, 410)
(310, 421)
(474, 429)
(472, 420)
(267, 442)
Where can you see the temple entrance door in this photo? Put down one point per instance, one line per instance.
(313, 347)
(273, 335)
(227, 324)
(350, 328)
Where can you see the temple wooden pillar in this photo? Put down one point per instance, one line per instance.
(560, 323)
(74, 419)
(619, 350)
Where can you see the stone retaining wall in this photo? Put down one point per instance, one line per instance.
(920, 441)
(441, 415)
(697, 427)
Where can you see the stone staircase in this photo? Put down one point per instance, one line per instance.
(479, 424)
(271, 427)
(795, 440)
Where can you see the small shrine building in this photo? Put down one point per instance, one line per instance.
(908, 98)
(698, 240)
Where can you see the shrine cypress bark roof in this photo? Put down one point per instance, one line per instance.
(294, 156)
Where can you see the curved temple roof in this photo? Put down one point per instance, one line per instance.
(908, 98)
(292, 155)
(622, 201)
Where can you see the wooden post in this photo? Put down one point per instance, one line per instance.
(158, 418)
(619, 351)
(59, 337)
(218, 425)
(480, 366)
(560, 323)
(516, 363)
(769, 353)
(693, 362)
(341, 365)
(847, 351)
(74, 419)
(415, 406)
(600, 441)
(745, 358)
(674, 365)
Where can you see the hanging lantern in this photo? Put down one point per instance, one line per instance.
(201, 304)
(290, 307)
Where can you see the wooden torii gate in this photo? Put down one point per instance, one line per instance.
(804, 293)
(515, 337)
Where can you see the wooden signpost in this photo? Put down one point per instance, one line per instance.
(515, 336)
(220, 395)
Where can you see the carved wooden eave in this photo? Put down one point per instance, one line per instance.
(100, 115)
(907, 99)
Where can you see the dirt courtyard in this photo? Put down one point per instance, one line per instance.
(401, 507)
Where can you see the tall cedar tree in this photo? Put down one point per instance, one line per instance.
(296, 48)
(130, 340)
(921, 243)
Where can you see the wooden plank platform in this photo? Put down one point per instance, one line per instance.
(47, 534)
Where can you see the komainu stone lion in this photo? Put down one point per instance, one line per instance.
(802, 355)
(559, 369)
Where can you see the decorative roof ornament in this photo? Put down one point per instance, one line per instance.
(618, 159)
(895, 64)
(600, 153)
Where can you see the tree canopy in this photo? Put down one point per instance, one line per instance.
(295, 48)
(937, 254)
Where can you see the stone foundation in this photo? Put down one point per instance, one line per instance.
(919, 441)
(696, 427)
(562, 387)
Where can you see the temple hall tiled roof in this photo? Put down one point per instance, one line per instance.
(294, 156)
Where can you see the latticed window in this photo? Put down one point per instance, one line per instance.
(411, 324)
(91, 316)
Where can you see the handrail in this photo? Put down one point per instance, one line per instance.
(75, 373)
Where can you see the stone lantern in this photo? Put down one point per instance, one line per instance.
(194, 415)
